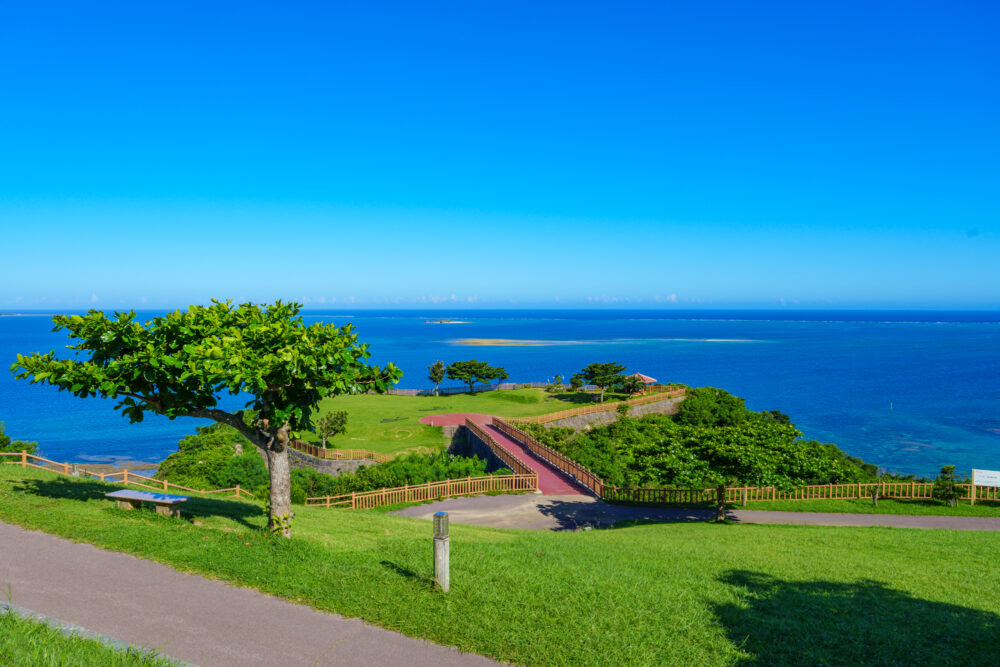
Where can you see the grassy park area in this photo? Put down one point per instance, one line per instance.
(648, 594)
(391, 424)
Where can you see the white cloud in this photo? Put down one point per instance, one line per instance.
(93, 297)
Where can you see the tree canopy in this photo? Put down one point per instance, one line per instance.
(472, 371)
(435, 373)
(182, 363)
(604, 376)
(331, 424)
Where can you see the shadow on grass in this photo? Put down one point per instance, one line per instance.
(407, 573)
(85, 490)
(779, 622)
(576, 515)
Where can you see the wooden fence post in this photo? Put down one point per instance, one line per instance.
(125, 476)
(237, 490)
(353, 506)
(24, 458)
(972, 493)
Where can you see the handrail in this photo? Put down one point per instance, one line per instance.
(428, 491)
(501, 452)
(579, 473)
(127, 476)
(339, 454)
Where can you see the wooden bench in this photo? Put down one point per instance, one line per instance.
(166, 503)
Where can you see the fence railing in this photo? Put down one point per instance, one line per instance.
(610, 406)
(430, 491)
(125, 477)
(499, 450)
(339, 454)
(563, 463)
(749, 494)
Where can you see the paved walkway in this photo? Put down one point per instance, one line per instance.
(574, 512)
(189, 617)
(551, 482)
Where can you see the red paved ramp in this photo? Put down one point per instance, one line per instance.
(551, 481)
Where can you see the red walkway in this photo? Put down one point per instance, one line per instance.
(551, 481)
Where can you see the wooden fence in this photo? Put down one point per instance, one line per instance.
(125, 477)
(339, 454)
(429, 491)
(563, 463)
(447, 391)
(661, 394)
(499, 450)
(734, 494)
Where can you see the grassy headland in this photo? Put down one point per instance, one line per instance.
(391, 424)
(651, 594)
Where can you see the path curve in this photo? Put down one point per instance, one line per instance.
(192, 618)
(573, 512)
(551, 482)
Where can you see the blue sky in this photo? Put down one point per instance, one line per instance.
(618, 154)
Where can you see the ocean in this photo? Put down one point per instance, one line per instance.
(909, 391)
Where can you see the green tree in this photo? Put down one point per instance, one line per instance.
(604, 376)
(708, 406)
(632, 385)
(435, 373)
(180, 364)
(331, 424)
(946, 486)
(470, 372)
(8, 445)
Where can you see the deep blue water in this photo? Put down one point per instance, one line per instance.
(910, 391)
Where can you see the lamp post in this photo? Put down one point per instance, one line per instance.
(441, 550)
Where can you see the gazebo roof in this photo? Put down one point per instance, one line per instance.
(645, 379)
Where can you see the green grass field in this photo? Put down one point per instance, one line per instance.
(28, 641)
(391, 424)
(696, 593)
(927, 507)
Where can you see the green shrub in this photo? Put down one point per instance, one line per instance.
(246, 470)
(202, 458)
(708, 406)
(8, 445)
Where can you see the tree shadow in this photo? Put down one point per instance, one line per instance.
(780, 622)
(579, 515)
(407, 573)
(86, 490)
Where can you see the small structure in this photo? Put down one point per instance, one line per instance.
(645, 379)
(166, 503)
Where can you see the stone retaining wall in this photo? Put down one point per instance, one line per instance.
(297, 459)
(668, 406)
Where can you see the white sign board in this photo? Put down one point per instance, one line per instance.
(986, 477)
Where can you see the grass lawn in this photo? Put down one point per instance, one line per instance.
(650, 594)
(28, 641)
(391, 424)
(885, 506)
(931, 507)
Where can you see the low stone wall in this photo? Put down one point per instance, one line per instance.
(668, 406)
(297, 459)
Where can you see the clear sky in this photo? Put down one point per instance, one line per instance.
(699, 154)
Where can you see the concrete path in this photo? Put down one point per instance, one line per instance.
(551, 482)
(575, 512)
(189, 617)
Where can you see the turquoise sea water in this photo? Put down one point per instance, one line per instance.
(910, 391)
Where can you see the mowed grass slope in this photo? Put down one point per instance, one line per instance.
(29, 641)
(391, 424)
(700, 594)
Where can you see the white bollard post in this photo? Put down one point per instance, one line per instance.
(441, 550)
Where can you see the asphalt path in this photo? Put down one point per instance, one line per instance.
(576, 512)
(189, 617)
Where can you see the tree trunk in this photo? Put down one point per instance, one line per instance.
(602, 394)
(279, 519)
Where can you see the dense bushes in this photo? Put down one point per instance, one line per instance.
(216, 457)
(714, 441)
(413, 469)
(9, 445)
